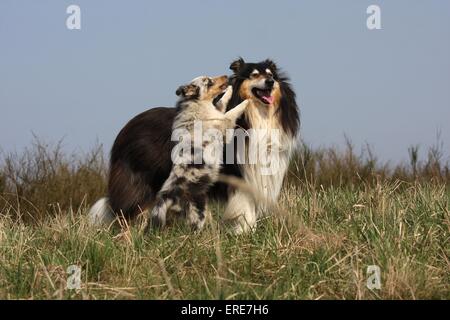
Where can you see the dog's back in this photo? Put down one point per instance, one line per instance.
(140, 161)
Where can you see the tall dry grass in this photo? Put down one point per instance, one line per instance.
(43, 180)
(341, 212)
(326, 167)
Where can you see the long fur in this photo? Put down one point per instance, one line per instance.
(185, 190)
(282, 115)
(141, 162)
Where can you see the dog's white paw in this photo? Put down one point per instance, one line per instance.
(229, 91)
(242, 228)
(227, 96)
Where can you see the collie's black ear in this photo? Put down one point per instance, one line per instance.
(188, 91)
(237, 65)
(272, 65)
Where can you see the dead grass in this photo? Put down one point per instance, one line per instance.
(340, 214)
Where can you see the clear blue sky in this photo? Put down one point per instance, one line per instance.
(389, 87)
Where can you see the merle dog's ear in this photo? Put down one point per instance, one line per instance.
(272, 65)
(188, 91)
(237, 65)
(179, 91)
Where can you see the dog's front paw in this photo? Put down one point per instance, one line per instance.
(196, 223)
(237, 229)
(245, 103)
(229, 90)
(227, 95)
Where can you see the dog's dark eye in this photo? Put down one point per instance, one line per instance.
(210, 83)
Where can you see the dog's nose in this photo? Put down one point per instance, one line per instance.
(270, 82)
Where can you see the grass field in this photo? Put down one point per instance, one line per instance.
(338, 217)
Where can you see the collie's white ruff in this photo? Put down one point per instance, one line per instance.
(241, 209)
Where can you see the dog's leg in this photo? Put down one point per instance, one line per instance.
(232, 116)
(196, 213)
(240, 212)
(237, 111)
(158, 215)
(223, 102)
(165, 199)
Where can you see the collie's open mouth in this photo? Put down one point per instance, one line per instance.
(265, 95)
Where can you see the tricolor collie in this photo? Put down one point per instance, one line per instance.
(141, 160)
(273, 118)
(196, 167)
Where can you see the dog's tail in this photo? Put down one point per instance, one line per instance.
(240, 183)
(100, 213)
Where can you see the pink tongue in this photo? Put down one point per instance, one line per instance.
(268, 99)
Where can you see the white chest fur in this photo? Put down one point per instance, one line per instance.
(267, 173)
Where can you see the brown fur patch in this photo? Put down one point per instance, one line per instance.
(217, 88)
(245, 92)
(276, 92)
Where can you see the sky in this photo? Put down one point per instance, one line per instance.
(389, 88)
